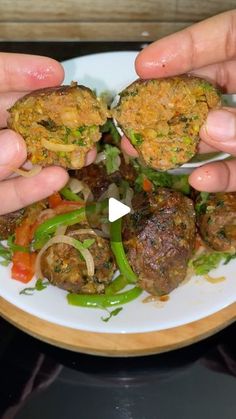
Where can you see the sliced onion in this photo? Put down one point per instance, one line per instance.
(61, 230)
(128, 198)
(70, 241)
(111, 192)
(105, 229)
(46, 214)
(49, 145)
(77, 186)
(28, 173)
(100, 157)
(94, 232)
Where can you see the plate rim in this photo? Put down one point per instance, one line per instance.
(115, 344)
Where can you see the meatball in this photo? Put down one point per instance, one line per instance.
(97, 179)
(64, 267)
(60, 124)
(159, 239)
(162, 118)
(216, 218)
(9, 222)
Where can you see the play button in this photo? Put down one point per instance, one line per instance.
(116, 209)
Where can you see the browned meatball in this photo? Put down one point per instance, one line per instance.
(9, 222)
(60, 124)
(159, 239)
(97, 179)
(216, 217)
(162, 118)
(64, 267)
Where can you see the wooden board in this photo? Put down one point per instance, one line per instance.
(113, 345)
(102, 20)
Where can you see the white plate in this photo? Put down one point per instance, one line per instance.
(191, 301)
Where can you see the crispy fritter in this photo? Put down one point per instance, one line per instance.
(60, 124)
(162, 118)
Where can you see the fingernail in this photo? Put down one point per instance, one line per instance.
(9, 148)
(221, 126)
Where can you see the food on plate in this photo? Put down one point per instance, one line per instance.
(9, 222)
(68, 241)
(162, 118)
(64, 266)
(216, 218)
(96, 178)
(59, 124)
(159, 239)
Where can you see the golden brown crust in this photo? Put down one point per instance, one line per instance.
(162, 118)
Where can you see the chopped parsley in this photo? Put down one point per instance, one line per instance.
(40, 285)
(208, 261)
(112, 161)
(112, 314)
(201, 205)
(161, 179)
(135, 138)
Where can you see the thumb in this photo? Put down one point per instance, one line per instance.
(219, 131)
(12, 152)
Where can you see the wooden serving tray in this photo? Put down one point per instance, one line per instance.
(114, 345)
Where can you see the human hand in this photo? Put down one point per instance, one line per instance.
(19, 74)
(206, 49)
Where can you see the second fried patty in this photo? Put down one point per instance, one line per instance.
(162, 118)
(60, 124)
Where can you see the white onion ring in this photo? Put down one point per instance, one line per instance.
(77, 186)
(94, 232)
(100, 157)
(49, 145)
(111, 192)
(70, 241)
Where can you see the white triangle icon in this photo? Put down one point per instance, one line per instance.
(116, 209)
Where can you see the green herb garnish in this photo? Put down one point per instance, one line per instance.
(40, 285)
(112, 314)
(201, 205)
(112, 161)
(205, 263)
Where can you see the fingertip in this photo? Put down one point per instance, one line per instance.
(54, 178)
(127, 147)
(210, 177)
(91, 156)
(13, 151)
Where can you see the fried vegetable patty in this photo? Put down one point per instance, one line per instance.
(162, 118)
(60, 124)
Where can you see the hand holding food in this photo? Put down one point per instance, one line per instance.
(162, 118)
(20, 74)
(206, 49)
(59, 125)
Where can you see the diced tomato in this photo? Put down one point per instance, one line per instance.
(147, 185)
(54, 200)
(23, 268)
